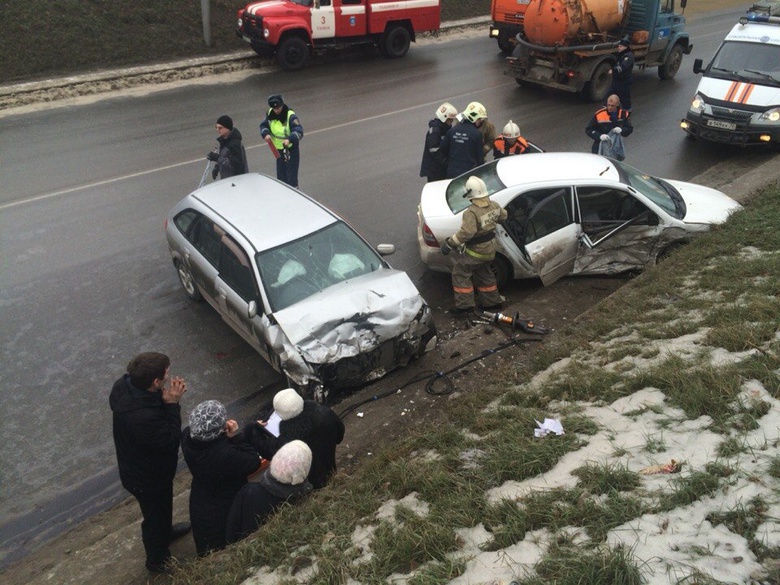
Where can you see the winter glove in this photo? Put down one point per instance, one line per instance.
(215, 172)
(617, 130)
(445, 248)
(604, 137)
(212, 156)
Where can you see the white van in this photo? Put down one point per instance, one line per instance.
(738, 99)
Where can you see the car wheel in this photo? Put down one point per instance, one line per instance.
(187, 282)
(669, 69)
(502, 270)
(292, 54)
(395, 42)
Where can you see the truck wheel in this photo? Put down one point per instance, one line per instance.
(599, 83)
(395, 42)
(672, 64)
(292, 54)
(505, 44)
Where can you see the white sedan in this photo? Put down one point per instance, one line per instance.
(572, 213)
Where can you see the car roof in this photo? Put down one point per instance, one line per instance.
(266, 211)
(554, 166)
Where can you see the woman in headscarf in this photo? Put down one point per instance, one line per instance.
(220, 461)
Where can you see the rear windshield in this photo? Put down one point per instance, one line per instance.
(456, 190)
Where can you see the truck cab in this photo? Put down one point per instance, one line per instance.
(293, 29)
(738, 98)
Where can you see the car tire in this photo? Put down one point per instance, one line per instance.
(502, 269)
(187, 282)
(664, 253)
(292, 54)
(672, 64)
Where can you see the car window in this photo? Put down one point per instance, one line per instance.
(602, 209)
(205, 236)
(456, 190)
(537, 213)
(656, 190)
(184, 220)
(234, 269)
(298, 269)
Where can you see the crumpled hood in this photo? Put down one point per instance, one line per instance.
(703, 204)
(351, 317)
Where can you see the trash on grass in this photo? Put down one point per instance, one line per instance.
(672, 467)
(550, 425)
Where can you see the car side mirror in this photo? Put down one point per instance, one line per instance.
(385, 249)
(697, 66)
(251, 309)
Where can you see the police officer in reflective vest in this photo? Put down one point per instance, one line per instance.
(282, 129)
(476, 243)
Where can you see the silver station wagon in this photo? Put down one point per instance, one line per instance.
(300, 285)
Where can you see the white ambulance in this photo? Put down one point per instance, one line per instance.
(738, 99)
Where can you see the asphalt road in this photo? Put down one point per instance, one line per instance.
(87, 281)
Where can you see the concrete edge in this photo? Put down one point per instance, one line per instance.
(31, 87)
(745, 186)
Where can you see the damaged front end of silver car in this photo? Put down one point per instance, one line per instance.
(344, 338)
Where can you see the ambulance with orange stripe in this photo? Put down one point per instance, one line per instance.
(738, 99)
(292, 30)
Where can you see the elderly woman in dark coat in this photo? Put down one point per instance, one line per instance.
(220, 460)
(283, 481)
(306, 420)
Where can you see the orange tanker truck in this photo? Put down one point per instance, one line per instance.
(507, 22)
(572, 45)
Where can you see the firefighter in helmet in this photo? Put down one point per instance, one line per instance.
(475, 242)
(510, 142)
(463, 144)
(434, 163)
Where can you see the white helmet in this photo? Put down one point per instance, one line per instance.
(475, 111)
(511, 130)
(476, 188)
(446, 112)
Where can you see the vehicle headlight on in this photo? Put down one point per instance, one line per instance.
(771, 116)
(697, 104)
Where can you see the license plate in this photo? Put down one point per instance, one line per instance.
(722, 125)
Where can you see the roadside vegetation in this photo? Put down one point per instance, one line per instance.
(681, 365)
(43, 38)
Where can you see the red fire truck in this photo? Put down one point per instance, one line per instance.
(293, 29)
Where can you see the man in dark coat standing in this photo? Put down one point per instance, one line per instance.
(611, 119)
(147, 432)
(308, 421)
(231, 157)
(622, 74)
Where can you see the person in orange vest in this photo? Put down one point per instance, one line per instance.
(610, 118)
(510, 142)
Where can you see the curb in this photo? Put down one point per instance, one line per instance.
(26, 93)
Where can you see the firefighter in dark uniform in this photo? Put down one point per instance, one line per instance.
(463, 145)
(510, 142)
(282, 128)
(434, 163)
(476, 243)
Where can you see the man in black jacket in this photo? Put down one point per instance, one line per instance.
(147, 432)
(231, 157)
